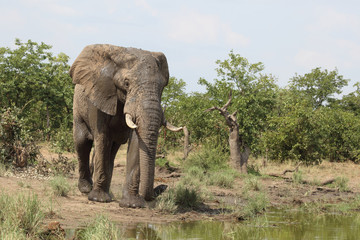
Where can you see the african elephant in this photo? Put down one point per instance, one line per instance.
(117, 100)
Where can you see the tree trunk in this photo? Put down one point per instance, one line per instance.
(234, 143)
(244, 159)
(187, 147)
(238, 159)
(47, 123)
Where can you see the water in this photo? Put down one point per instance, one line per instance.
(273, 225)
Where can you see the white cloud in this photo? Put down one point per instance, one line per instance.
(146, 6)
(53, 6)
(312, 59)
(10, 19)
(193, 27)
(330, 20)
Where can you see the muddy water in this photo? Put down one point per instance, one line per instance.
(274, 225)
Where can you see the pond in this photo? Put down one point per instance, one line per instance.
(273, 225)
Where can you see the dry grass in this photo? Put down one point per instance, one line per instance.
(317, 173)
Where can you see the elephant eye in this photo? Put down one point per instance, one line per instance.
(127, 83)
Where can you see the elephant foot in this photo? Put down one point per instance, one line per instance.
(99, 195)
(85, 186)
(132, 202)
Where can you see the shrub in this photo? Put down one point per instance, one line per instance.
(16, 144)
(222, 179)
(187, 197)
(100, 228)
(252, 184)
(59, 186)
(210, 157)
(63, 140)
(166, 202)
(256, 204)
(196, 172)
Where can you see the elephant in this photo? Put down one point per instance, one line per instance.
(117, 100)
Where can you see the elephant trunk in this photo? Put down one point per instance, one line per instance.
(149, 124)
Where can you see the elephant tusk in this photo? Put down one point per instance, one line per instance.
(130, 122)
(171, 127)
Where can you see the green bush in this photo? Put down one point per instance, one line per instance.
(210, 157)
(222, 178)
(195, 172)
(16, 144)
(63, 140)
(187, 197)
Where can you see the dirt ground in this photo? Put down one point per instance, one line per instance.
(75, 210)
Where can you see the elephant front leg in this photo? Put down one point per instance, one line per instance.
(102, 171)
(130, 195)
(83, 147)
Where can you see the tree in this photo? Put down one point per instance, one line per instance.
(238, 159)
(32, 76)
(253, 97)
(318, 86)
(310, 125)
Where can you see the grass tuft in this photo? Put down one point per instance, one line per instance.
(252, 184)
(20, 216)
(223, 179)
(256, 204)
(166, 202)
(60, 186)
(298, 177)
(100, 228)
(342, 184)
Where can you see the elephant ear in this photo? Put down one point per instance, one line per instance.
(95, 70)
(163, 65)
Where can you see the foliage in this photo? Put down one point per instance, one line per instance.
(62, 140)
(16, 144)
(318, 86)
(253, 96)
(222, 178)
(186, 197)
(100, 228)
(299, 132)
(20, 216)
(32, 76)
(209, 157)
(59, 186)
(172, 92)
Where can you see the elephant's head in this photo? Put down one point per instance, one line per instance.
(136, 78)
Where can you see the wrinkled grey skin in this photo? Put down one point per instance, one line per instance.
(110, 82)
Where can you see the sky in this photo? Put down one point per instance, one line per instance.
(289, 37)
